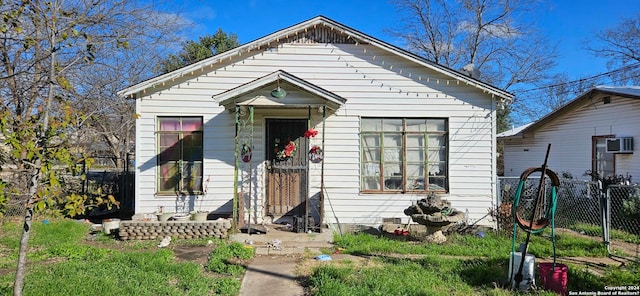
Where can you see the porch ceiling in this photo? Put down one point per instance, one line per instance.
(300, 93)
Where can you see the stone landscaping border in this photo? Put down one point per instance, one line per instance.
(143, 230)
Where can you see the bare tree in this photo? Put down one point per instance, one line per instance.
(50, 51)
(620, 45)
(485, 38)
(537, 102)
(110, 119)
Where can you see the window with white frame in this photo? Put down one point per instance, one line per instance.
(180, 155)
(603, 163)
(403, 154)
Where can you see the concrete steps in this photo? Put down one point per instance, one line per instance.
(276, 241)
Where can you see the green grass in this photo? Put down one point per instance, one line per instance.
(65, 260)
(492, 245)
(596, 230)
(464, 265)
(227, 258)
(62, 261)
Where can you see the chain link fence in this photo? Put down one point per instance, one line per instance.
(111, 181)
(622, 216)
(583, 207)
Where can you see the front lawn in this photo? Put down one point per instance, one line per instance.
(464, 265)
(65, 260)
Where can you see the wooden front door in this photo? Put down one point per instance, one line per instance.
(286, 150)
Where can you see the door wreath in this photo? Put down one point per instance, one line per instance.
(316, 154)
(245, 153)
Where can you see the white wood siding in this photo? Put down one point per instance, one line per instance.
(571, 135)
(375, 84)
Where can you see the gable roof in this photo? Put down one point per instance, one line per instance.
(631, 92)
(301, 28)
(228, 98)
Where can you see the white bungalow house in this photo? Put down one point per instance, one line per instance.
(594, 132)
(316, 120)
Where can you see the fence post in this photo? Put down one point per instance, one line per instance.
(498, 193)
(607, 222)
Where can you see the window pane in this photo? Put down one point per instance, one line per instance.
(392, 154)
(415, 184)
(169, 123)
(416, 125)
(169, 154)
(371, 169)
(393, 175)
(392, 140)
(436, 140)
(437, 155)
(169, 139)
(192, 139)
(369, 183)
(192, 124)
(414, 140)
(192, 177)
(392, 125)
(436, 125)
(437, 169)
(192, 154)
(371, 124)
(415, 170)
(370, 140)
(371, 154)
(415, 155)
(437, 183)
(169, 177)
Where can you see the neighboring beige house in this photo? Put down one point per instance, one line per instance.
(384, 128)
(596, 131)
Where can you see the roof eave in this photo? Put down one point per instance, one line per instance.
(227, 98)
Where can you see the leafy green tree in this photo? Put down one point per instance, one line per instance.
(192, 51)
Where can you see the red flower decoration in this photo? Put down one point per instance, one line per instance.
(310, 133)
(289, 149)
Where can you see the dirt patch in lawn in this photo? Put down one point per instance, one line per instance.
(187, 253)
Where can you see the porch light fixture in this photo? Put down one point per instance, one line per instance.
(278, 92)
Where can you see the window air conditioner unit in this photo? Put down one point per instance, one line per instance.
(620, 145)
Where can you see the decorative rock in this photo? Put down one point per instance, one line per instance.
(435, 213)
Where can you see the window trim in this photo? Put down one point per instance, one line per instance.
(594, 160)
(181, 161)
(404, 148)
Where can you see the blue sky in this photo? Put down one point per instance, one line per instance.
(566, 22)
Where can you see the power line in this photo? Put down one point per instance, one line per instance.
(573, 91)
(628, 67)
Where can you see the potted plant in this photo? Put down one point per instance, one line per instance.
(162, 216)
(201, 215)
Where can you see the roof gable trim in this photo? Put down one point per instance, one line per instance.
(265, 43)
(227, 98)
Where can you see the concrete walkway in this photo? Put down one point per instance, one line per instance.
(271, 275)
(272, 271)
